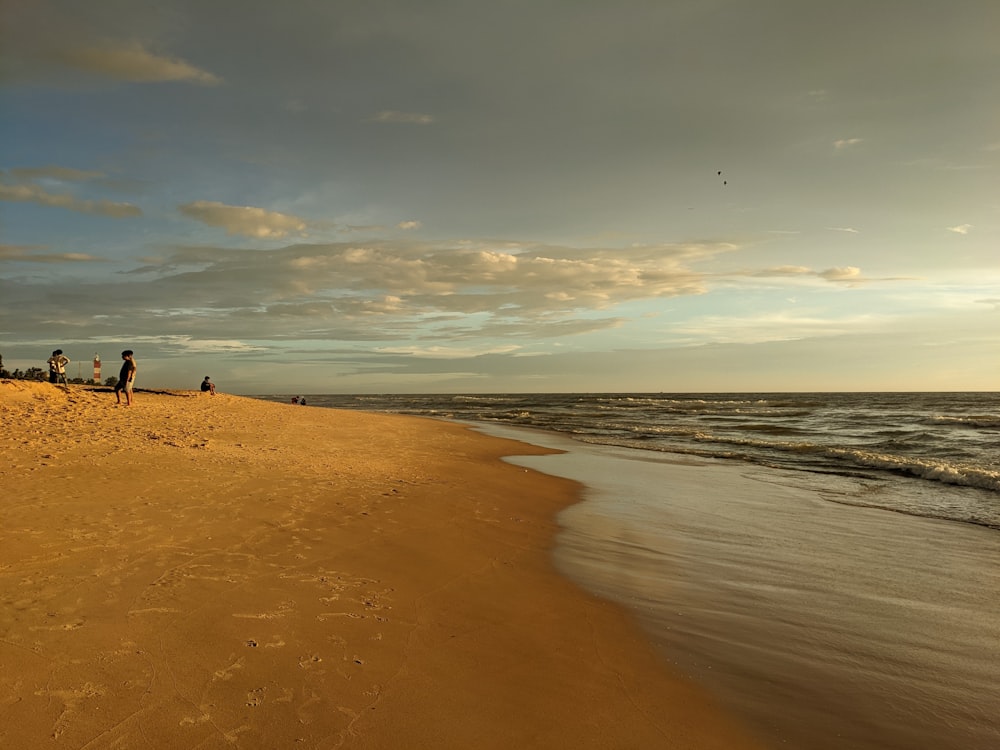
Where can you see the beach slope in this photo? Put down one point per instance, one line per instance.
(205, 571)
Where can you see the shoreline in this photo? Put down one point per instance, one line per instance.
(821, 623)
(199, 571)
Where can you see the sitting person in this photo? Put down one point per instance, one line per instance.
(207, 385)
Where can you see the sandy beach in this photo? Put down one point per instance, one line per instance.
(215, 572)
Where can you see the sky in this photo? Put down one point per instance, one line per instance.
(442, 196)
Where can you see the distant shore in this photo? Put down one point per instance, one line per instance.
(199, 571)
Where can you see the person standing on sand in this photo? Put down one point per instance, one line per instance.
(126, 378)
(207, 386)
(57, 367)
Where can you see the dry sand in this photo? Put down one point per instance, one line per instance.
(216, 572)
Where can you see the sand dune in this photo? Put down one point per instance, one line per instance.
(214, 572)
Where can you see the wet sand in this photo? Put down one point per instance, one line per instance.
(823, 624)
(218, 572)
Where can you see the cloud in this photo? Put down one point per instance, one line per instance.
(181, 344)
(846, 143)
(409, 225)
(847, 273)
(406, 118)
(431, 301)
(132, 62)
(246, 220)
(774, 326)
(464, 287)
(782, 271)
(850, 230)
(112, 41)
(960, 229)
(37, 194)
(385, 290)
(449, 352)
(28, 254)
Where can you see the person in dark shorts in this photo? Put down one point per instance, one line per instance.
(207, 386)
(57, 367)
(126, 378)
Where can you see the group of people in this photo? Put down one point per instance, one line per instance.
(126, 376)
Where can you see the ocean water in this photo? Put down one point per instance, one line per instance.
(828, 565)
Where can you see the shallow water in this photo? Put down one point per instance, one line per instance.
(824, 623)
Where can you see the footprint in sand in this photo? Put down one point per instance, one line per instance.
(72, 700)
(308, 662)
(226, 673)
(188, 721)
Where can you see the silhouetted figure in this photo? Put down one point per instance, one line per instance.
(57, 367)
(126, 378)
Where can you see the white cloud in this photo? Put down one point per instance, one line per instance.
(846, 143)
(386, 304)
(130, 61)
(777, 326)
(448, 352)
(246, 220)
(416, 284)
(37, 194)
(961, 229)
(783, 271)
(183, 344)
(409, 225)
(405, 118)
(29, 254)
(850, 230)
(847, 273)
